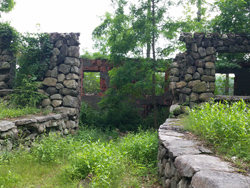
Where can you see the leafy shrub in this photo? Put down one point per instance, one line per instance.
(91, 83)
(221, 84)
(34, 56)
(226, 126)
(26, 94)
(9, 36)
(124, 116)
(33, 61)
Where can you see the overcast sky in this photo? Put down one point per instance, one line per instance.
(61, 16)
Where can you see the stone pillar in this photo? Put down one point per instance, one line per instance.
(7, 68)
(192, 73)
(61, 81)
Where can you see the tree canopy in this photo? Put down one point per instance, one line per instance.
(6, 5)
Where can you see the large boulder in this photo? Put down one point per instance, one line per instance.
(49, 81)
(70, 101)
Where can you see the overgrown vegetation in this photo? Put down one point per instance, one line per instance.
(91, 82)
(33, 52)
(14, 112)
(103, 159)
(33, 59)
(9, 36)
(225, 125)
(224, 85)
(124, 116)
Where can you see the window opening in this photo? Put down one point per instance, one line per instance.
(91, 83)
(224, 84)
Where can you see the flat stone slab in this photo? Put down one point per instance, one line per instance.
(188, 165)
(49, 117)
(24, 121)
(170, 121)
(170, 133)
(215, 179)
(178, 151)
(6, 125)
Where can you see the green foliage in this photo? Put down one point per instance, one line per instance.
(133, 80)
(32, 61)
(7, 5)
(55, 161)
(26, 94)
(95, 55)
(91, 82)
(221, 84)
(199, 23)
(124, 116)
(9, 36)
(106, 163)
(130, 30)
(140, 147)
(34, 56)
(52, 148)
(225, 125)
(234, 16)
(13, 112)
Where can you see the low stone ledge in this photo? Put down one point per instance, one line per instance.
(6, 125)
(24, 131)
(5, 92)
(24, 121)
(215, 179)
(184, 163)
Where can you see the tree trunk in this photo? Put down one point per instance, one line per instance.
(154, 59)
(199, 10)
(148, 33)
(227, 85)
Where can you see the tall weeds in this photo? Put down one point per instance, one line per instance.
(225, 125)
(104, 158)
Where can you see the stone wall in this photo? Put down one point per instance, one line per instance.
(192, 77)
(184, 163)
(60, 84)
(24, 131)
(61, 81)
(7, 68)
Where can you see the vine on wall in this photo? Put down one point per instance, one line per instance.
(33, 59)
(32, 52)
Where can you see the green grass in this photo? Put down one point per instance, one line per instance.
(54, 161)
(14, 112)
(226, 126)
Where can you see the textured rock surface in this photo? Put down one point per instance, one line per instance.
(62, 77)
(24, 131)
(6, 125)
(215, 179)
(186, 164)
(195, 68)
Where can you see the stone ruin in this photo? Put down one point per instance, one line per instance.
(192, 76)
(103, 66)
(60, 85)
(62, 79)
